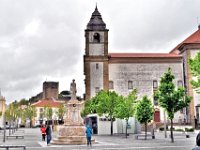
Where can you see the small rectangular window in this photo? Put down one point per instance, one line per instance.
(41, 109)
(130, 84)
(97, 66)
(180, 83)
(97, 89)
(111, 85)
(155, 84)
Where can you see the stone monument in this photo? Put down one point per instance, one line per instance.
(73, 130)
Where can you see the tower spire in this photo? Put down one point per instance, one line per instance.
(96, 22)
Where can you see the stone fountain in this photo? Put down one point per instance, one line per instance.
(73, 130)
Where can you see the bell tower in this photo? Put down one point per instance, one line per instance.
(96, 55)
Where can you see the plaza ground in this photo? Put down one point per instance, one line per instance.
(33, 141)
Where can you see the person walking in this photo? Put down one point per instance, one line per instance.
(43, 131)
(48, 133)
(88, 135)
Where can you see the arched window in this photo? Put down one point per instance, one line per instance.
(96, 37)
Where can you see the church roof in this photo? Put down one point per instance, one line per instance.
(47, 103)
(192, 39)
(145, 55)
(96, 22)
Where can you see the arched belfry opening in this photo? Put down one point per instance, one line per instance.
(96, 38)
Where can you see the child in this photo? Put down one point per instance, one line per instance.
(43, 130)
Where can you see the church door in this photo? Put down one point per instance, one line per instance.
(157, 116)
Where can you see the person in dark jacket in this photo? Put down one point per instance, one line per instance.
(48, 134)
(88, 135)
(197, 142)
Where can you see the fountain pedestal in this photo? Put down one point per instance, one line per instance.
(73, 130)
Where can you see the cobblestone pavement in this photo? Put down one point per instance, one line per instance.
(32, 140)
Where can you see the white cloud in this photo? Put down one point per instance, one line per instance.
(42, 39)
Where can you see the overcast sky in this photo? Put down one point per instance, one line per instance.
(43, 40)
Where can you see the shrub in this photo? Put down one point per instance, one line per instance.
(179, 130)
(189, 129)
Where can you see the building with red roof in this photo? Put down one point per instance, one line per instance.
(122, 72)
(43, 104)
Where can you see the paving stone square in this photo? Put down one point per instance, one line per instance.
(33, 141)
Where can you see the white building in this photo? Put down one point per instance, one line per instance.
(122, 72)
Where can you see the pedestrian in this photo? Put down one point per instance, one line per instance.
(88, 135)
(43, 130)
(195, 122)
(48, 133)
(197, 142)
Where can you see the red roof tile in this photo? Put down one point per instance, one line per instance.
(192, 39)
(146, 55)
(47, 103)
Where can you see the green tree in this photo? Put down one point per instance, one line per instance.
(23, 102)
(104, 103)
(30, 113)
(144, 112)
(125, 107)
(61, 111)
(170, 98)
(48, 112)
(89, 107)
(195, 70)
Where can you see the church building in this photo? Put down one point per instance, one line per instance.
(123, 72)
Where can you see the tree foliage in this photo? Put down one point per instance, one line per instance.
(30, 113)
(144, 112)
(104, 103)
(61, 111)
(48, 112)
(170, 98)
(195, 70)
(125, 107)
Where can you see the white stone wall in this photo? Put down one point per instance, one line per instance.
(142, 75)
(96, 77)
(37, 118)
(96, 49)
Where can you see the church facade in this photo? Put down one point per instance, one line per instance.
(123, 72)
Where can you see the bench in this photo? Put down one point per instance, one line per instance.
(14, 136)
(180, 134)
(20, 131)
(13, 146)
(143, 135)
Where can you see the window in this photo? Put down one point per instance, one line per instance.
(155, 84)
(96, 37)
(97, 89)
(130, 84)
(180, 83)
(41, 109)
(97, 66)
(111, 85)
